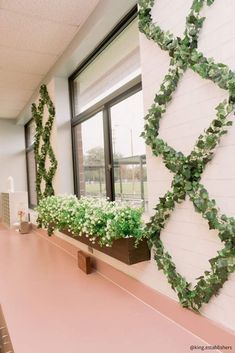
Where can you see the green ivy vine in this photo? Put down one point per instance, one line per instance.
(188, 169)
(42, 145)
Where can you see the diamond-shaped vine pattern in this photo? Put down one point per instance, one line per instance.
(188, 169)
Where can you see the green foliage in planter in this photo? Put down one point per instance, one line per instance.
(99, 219)
(188, 169)
(42, 145)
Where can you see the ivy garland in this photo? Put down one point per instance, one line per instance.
(42, 144)
(188, 169)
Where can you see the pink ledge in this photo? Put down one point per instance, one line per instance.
(199, 325)
(50, 306)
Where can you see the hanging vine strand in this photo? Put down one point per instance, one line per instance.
(42, 145)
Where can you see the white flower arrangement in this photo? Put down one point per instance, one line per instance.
(98, 219)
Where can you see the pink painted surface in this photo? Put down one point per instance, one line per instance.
(199, 325)
(52, 307)
(195, 323)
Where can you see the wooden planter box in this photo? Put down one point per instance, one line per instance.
(122, 249)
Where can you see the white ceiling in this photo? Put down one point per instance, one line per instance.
(33, 35)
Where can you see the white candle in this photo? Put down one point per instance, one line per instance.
(10, 183)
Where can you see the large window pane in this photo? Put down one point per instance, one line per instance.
(129, 150)
(116, 65)
(31, 168)
(90, 157)
(99, 84)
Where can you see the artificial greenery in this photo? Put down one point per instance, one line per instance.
(188, 169)
(100, 220)
(42, 145)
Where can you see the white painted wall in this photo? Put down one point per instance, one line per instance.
(187, 235)
(63, 136)
(12, 155)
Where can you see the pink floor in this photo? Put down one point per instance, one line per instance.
(52, 307)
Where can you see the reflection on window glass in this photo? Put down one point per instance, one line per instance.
(129, 150)
(90, 152)
(31, 178)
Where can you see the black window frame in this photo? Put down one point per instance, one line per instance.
(108, 148)
(104, 106)
(29, 148)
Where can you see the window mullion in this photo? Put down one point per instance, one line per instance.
(109, 172)
(75, 164)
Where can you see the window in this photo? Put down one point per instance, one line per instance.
(129, 159)
(90, 156)
(106, 96)
(30, 163)
(118, 64)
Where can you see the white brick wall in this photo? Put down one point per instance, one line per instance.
(187, 235)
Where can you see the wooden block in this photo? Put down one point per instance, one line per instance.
(25, 227)
(84, 262)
